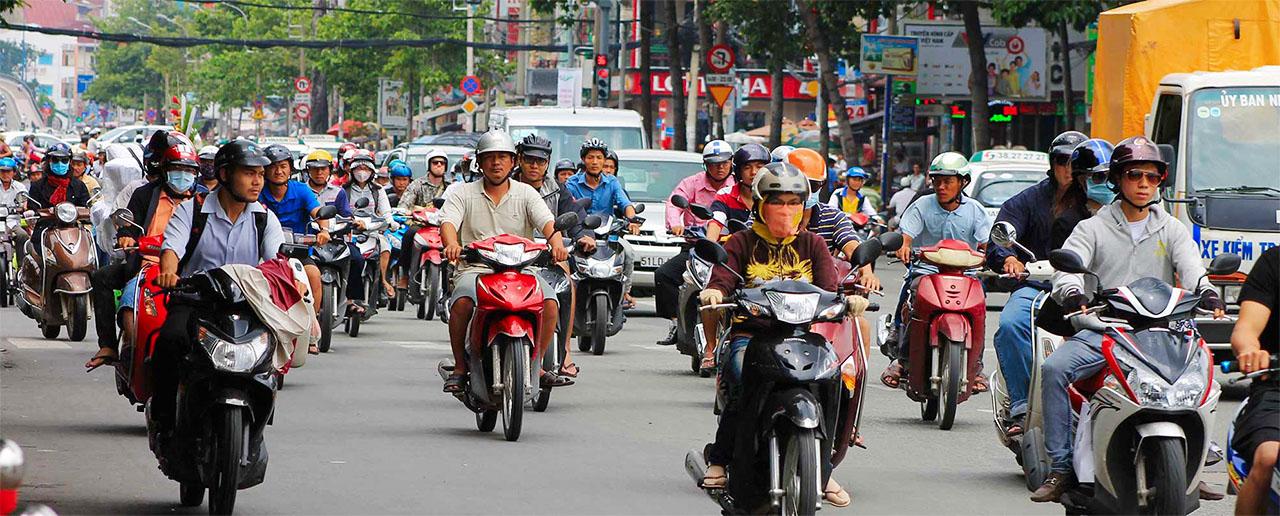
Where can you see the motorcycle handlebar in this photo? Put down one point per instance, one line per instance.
(1233, 366)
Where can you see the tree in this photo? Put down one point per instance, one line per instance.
(674, 15)
(12, 55)
(976, 40)
(769, 31)
(828, 27)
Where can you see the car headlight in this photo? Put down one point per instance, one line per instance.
(793, 308)
(701, 270)
(509, 254)
(66, 212)
(232, 357)
(1231, 294)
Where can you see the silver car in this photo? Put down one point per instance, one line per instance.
(649, 176)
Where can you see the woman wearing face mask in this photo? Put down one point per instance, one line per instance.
(775, 248)
(1089, 190)
(54, 187)
(361, 186)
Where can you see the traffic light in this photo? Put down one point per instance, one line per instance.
(602, 79)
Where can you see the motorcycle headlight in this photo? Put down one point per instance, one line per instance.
(701, 270)
(66, 212)
(599, 268)
(509, 254)
(232, 357)
(793, 308)
(833, 312)
(1153, 390)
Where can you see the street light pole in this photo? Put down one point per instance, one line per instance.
(471, 52)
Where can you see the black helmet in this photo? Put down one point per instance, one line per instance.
(1064, 143)
(611, 156)
(593, 144)
(160, 148)
(242, 153)
(565, 164)
(1135, 149)
(1091, 156)
(748, 153)
(535, 146)
(58, 150)
(277, 153)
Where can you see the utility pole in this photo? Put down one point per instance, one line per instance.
(471, 51)
(691, 107)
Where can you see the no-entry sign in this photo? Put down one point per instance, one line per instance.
(720, 58)
(302, 84)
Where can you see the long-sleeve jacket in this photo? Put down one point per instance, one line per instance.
(1031, 213)
(759, 258)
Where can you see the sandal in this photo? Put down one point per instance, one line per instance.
(710, 481)
(571, 370)
(837, 498)
(455, 383)
(628, 303)
(313, 350)
(892, 376)
(708, 363)
(550, 379)
(105, 356)
(979, 384)
(1015, 428)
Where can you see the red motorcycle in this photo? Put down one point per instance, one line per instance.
(946, 317)
(426, 287)
(502, 352)
(138, 340)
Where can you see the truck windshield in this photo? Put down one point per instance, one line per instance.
(567, 140)
(1234, 139)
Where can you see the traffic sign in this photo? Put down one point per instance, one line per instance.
(302, 111)
(470, 106)
(257, 113)
(470, 85)
(151, 115)
(302, 98)
(720, 58)
(720, 86)
(302, 84)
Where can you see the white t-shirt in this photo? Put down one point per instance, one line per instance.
(901, 200)
(10, 196)
(1138, 230)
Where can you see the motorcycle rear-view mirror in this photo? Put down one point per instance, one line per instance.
(362, 203)
(866, 252)
(326, 212)
(700, 211)
(438, 202)
(592, 222)
(639, 208)
(710, 251)
(736, 225)
(679, 201)
(566, 221)
(1066, 260)
(582, 203)
(1224, 264)
(890, 242)
(1003, 234)
(122, 217)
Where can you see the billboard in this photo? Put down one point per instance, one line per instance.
(393, 104)
(896, 55)
(1016, 61)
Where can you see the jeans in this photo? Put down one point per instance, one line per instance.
(727, 431)
(668, 278)
(1078, 357)
(628, 264)
(1013, 345)
(914, 273)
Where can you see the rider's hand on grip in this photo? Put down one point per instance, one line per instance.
(1210, 301)
(125, 241)
(710, 297)
(559, 252)
(677, 230)
(322, 238)
(1254, 360)
(857, 305)
(1073, 300)
(452, 252)
(1013, 266)
(903, 253)
(167, 280)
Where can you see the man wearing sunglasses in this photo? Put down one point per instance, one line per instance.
(1125, 241)
(57, 185)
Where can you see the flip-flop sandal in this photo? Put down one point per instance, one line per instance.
(313, 350)
(892, 376)
(454, 384)
(550, 379)
(571, 370)
(103, 358)
(714, 482)
(836, 498)
(708, 363)
(980, 384)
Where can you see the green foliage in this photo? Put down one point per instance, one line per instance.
(1075, 13)
(769, 28)
(11, 55)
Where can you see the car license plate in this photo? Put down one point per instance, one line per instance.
(652, 262)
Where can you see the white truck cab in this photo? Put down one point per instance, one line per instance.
(567, 128)
(1220, 131)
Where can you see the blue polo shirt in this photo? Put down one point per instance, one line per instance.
(604, 198)
(294, 210)
(927, 223)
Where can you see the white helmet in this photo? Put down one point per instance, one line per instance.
(208, 151)
(437, 153)
(717, 151)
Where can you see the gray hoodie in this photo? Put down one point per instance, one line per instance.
(1106, 247)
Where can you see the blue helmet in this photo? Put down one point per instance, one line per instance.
(399, 168)
(8, 164)
(1092, 156)
(856, 172)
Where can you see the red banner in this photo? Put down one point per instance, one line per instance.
(754, 85)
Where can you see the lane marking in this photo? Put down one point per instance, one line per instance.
(650, 347)
(37, 343)
(423, 345)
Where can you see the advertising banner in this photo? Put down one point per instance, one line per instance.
(1016, 61)
(393, 104)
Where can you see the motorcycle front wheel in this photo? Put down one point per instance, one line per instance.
(1162, 473)
(228, 445)
(326, 317)
(428, 306)
(515, 368)
(77, 318)
(599, 325)
(953, 362)
(800, 473)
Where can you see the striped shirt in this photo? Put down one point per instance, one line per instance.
(833, 226)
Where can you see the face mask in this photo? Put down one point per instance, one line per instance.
(59, 169)
(811, 201)
(1101, 193)
(181, 182)
(362, 175)
(783, 220)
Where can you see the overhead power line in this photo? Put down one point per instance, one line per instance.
(184, 42)
(438, 17)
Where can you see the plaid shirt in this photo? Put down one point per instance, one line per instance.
(421, 192)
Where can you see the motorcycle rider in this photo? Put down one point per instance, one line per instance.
(319, 171)
(293, 204)
(735, 202)
(564, 170)
(494, 206)
(153, 205)
(401, 175)
(1032, 212)
(206, 166)
(360, 167)
(420, 193)
(534, 154)
(80, 169)
(698, 189)
(56, 186)
(1126, 240)
(11, 191)
(775, 248)
(850, 198)
(607, 197)
(931, 218)
(1255, 339)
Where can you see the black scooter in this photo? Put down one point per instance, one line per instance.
(600, 282)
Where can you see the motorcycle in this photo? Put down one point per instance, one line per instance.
(333, 259)
(1148, 412)
(426, 287)
(1238, 468)
(137, 338)
(600, 282)
(395, 239)
(55, 283)
(554, 357)
(946, 317)
(502, 348)
(1043, 343)
(225, 396)
(797, 422)
(690, 339)
(368, 245)
(10, 221)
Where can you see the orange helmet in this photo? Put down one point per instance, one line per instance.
(810, 163)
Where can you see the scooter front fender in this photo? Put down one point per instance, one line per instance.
(949, 325)
(73, 283)
(799, 406)
(511, 325)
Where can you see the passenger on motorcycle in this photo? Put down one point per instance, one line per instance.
(1127, 240)
(734, 202)
(1255, 339)
(941, 215)
(565, 169)
(343, 161)
(611, 163)
(607, 198)
(361, 186)
(775, 248)
(294, 204)
(419, 194)
(1031, 212)
(319, 173)
(401, 175)
(494, 206)
(152, 205)
(10, 187)
(698, 189)
(206, 166)
(55, 187)
(850, 198)
(80, 169)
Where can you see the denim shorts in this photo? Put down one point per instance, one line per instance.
(128, 295)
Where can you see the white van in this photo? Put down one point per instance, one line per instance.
(567, 128)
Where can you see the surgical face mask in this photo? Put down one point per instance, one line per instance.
(1100, 193)
(362, 175)
(59, 169)
(811, 201)
(180, 181)
(783, 220)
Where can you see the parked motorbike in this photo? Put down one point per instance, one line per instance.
(1238, 468)
(502, 338)
(1149, 411)
(600, 282)
(225, 396)
(10, 221)
(55, 282)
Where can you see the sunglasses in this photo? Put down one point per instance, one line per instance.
(1152, 177)
(60, 160)
(1060, 159)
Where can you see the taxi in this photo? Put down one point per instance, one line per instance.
(999, 174)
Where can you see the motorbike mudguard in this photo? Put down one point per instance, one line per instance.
(952, 326)
(511, 325)
(431, 255)
(330, 275)
(799, 406)
(75, 282)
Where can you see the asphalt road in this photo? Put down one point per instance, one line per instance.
(366, 430)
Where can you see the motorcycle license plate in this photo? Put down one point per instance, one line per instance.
(651, 262)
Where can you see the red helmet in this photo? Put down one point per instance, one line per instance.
(181, 154)
(343, 151)
(171, 148)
